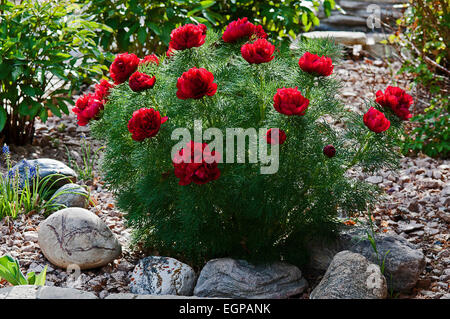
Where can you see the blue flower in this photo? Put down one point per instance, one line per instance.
(5, 149)
(32, 171)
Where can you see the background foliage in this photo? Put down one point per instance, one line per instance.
(46, 50)
(243, 214)
(424, 36)
(144, 27)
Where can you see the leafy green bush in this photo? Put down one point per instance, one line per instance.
(232, 209)
(424, 31)
(10, 271)
(143, 26)
(46, 50)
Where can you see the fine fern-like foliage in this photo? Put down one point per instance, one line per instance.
(242, 214)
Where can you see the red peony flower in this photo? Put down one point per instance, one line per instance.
(195, 163)
(195, 84)
(257, 52)
(376, 121)
(141, 81)
(290, 101)
(242, 28)
(271, 137)
(397, 100)
(102, 90)
(152, 58)
(145, 123)
(329, 151)
(123, 66)
(87, 108)
(187, 36)
(312, 63)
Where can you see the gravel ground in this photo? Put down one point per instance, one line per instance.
(416, 206)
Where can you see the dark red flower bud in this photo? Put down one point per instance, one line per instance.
(329, 151)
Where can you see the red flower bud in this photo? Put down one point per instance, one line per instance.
(195, 84)
(329, 151)
(376, 121)
(141, 81)
(397, 100)
(258, 52)
(290, 101)
(312, 63)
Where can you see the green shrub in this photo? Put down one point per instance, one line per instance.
(144, 27)
(241, 213)
(46, 50)
(423, 36)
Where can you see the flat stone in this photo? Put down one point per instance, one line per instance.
(156, 275)
(229, 278)
(342, 37)
(374, 179)
(77, 236)
(46, 292)
(72, 195)
(403, 264)
(351, 276)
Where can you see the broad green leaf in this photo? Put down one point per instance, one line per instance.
(40, 279)
(3, 118)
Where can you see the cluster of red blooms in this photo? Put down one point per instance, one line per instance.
(199, 82)
(124, 67)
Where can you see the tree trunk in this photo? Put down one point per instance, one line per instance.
(18, 130)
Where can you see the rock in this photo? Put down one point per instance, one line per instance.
(30, 236)
(403, 264)
(72, 195)
(77, 236)
(409, 227)
(157, 275)
(342, 37)
(38, 292)
(351, 276)
(374, 179)
(229, 278)
(47, 167)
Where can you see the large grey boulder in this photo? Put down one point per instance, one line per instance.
(351, 276)
(45, 292)
(71, 195)
(76, 236)
(229, 278)
(403, 264)
(156, 275)
(47, 166)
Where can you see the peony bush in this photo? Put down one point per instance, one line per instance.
(189, 198)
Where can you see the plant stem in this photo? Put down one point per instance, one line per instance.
(361, 151)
